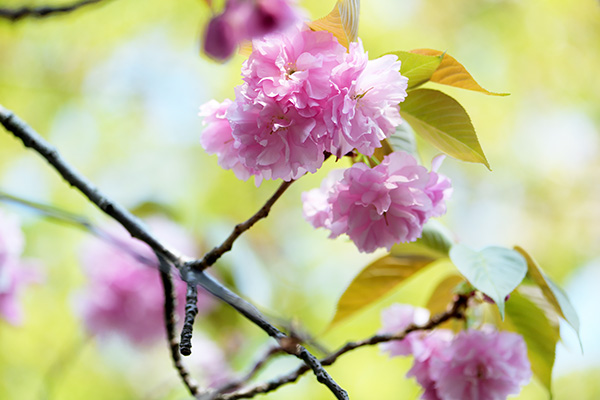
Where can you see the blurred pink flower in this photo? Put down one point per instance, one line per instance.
(381, 206)
(15, 274)
(364, 107)
(124, 293)
(210, 360)
(221, 37)
(244, 20)
(481, 365)
(395, 319)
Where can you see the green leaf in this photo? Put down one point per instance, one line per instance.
(444, 123)
(401, 140)
(418, 68)
(495, 271)
(377, 280)
(435, 242)
(404, 140)
(342, 21)
(452, 73)
(526, 318)
(553, 293)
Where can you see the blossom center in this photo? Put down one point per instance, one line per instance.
(290, 69)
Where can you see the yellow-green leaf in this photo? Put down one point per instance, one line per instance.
(377, 280)
(403, 139)
(452, 73)
(435, 242)
(526, 318)
(553, 293)
(342, 21)
(442, 296)
(444, 123)
(418, 68)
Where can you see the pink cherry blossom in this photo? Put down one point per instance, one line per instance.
(481, 365)
(381, 206)
(364, 108)
(15, 273)
(275, 141)
(217, 139)
(315, 205)
(244, 20)
(294, 68)
(124, 293)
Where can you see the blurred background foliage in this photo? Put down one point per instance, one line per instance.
(116, 87)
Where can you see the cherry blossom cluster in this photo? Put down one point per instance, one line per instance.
(124, 295)
(304, 96)
(15, 273)
(381, 206)
(246, 19)
(472, 365)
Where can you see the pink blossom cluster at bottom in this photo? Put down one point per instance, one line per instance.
(472, 365)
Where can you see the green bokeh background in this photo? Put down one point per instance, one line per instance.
(116, 87)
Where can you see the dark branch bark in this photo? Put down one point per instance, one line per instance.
(456, 311)
(212, 256)
(191, 310)
(33, 140)
(250, 312)
(18, 14)
(271, 353)
(170, 324)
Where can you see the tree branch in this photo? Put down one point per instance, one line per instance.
(170, 324)
(288, 344)
(455, 311)
(191, 310)
(33, 140)
(212, 256)
(271, 353)
(17, 14)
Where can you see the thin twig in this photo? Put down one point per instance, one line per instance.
(270, 354)
(33, 140)
(238, 383)
(191, 272)
(170, 324)
(43, 11)
(191, 310)
(212, 256)
(62, 216)
(289, 345)
(455, 311)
